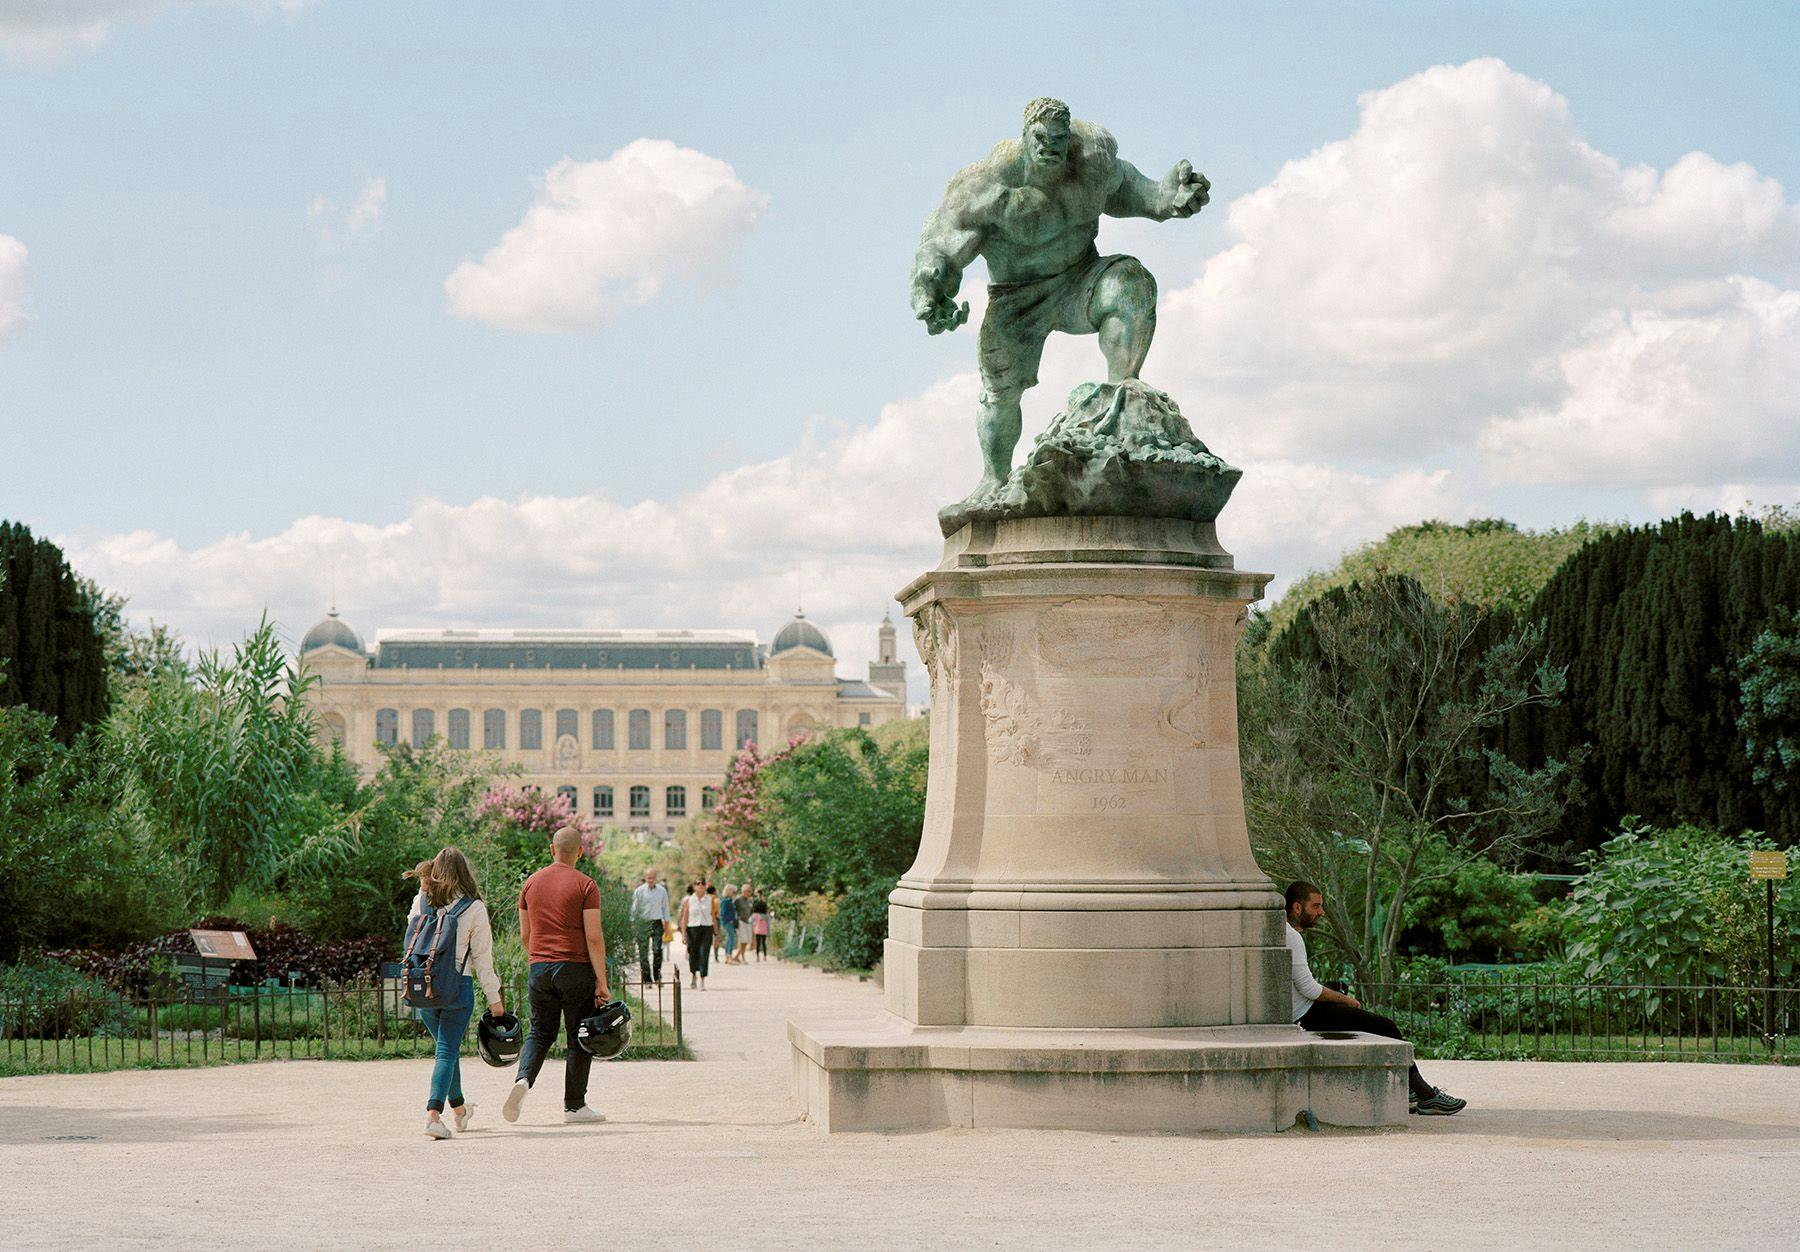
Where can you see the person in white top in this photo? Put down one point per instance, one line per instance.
(444, 880)
(696, 922)
(649, 914)
(1318, 1007)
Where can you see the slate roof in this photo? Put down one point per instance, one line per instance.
(569, 649)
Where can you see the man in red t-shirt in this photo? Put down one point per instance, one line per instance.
(559, 923)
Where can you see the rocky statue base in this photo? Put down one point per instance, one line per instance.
(1116, 449)
(1085, 940)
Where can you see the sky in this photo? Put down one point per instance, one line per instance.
(535, 314)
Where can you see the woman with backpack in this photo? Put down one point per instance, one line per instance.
(449, 896)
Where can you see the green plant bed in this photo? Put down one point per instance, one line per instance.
(823, 961)
(1528, 1047)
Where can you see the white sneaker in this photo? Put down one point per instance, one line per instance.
(583, 1114)
(515, 1100)
(463, 1116)
(436, 1128)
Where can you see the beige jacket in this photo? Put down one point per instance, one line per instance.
(474, 943)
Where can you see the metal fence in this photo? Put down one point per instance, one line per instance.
(1528, 1014)
(77, 1031)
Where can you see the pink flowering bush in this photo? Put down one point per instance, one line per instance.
(533, 817)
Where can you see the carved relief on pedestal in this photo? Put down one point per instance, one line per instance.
(1193, 712)
(1107, 636)
(1018, 733)
(935, 635)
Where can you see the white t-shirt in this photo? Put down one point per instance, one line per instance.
(1306, 987)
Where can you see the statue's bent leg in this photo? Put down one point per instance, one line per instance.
(1124, 313)
(998, 422)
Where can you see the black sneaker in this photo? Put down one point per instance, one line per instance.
(1439, 1103)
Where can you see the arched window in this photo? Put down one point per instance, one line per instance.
(493, 728)
(638, 728)
(459, 728)
(640, 802)
(531, 729)
(709, 799)
(603, 802)
(675, 730)
(387, 726)
(800, 726)
(568, 722)
(423, 723)
(603, 729)
(712, 730)
(746, 727)
(568, 793)
(675, 802)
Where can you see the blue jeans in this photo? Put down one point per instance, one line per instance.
(447, 1027)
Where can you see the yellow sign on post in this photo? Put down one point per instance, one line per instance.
(1768, 865)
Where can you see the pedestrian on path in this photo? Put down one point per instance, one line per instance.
(726, 935)
(559, 924)
(759, 927)
(746, 903)
(696, 922)
(447, 886)
(1318, 1007)
(649, 914)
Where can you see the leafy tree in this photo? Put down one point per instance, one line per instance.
(1488, 563)
(132, 656)
(228, 766)
(837, 814)
(1650, 624)
(51, 657)
(1769, 704)
(1359, 729)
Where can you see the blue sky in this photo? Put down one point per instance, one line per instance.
(203, 361)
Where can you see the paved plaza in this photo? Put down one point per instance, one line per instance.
(324, 1154)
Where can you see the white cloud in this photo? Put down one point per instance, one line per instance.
(362, 216)
(45, 31)
(1442, 272)
(604, 236)
(843, 521)
(15, 279)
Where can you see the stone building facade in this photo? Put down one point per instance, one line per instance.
(637, 727)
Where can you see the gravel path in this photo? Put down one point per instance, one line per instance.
(331, 1154)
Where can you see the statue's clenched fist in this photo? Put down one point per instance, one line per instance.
(942, 314)
(1185, 190)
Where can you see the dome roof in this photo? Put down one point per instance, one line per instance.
(331, 631)
(800, 633)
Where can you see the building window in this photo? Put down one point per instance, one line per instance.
(675, 802)
(459, 728)
(387, 726)
(746, 727)
(568, 793)
(712, 730)
(531, 729)
(637, 725)
(493, 728)
(863, 719)
(675, 730)
(423, 724)
(640, 802)
(603, 729)
(568, 724)
(603, 802)
(709, 799)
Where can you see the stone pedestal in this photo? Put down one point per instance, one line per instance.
(1085, 939)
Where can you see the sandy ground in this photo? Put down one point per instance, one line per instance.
(324, 1154)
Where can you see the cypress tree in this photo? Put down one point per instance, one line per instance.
(51, 655)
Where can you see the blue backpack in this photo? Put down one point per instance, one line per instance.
(432, 979)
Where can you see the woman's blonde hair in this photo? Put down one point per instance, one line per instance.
(444, 877)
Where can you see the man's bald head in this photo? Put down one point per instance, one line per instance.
(565, 845)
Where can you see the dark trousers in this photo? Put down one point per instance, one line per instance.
(561, 992)
(649, 950)
(699, 941)
(762, 945)
(1323, 1016)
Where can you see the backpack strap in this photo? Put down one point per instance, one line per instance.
(427, 921)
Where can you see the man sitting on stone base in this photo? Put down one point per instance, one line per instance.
(1318, 1007)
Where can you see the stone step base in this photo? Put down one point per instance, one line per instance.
(890, 1075)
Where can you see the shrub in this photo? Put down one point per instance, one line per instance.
(45, 998)
(856, 930)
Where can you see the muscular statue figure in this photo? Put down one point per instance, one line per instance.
(1032, 210)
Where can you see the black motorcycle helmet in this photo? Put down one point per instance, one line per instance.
(606, 1032)
(499, 1039)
